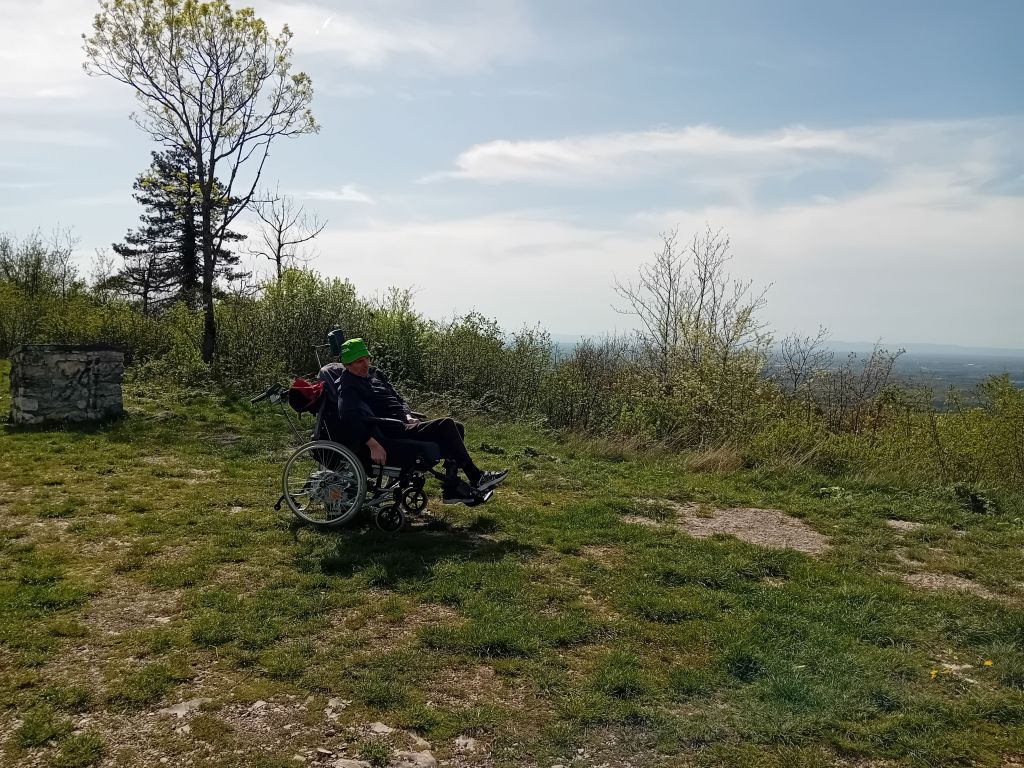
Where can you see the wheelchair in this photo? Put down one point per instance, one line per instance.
(328, 484)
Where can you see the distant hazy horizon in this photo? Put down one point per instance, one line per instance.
(858, 346)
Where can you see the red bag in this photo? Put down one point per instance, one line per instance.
(304, 396)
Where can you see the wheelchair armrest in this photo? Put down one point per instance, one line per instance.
(382, 421)
(418, 415)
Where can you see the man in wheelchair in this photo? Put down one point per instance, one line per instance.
(376, 418)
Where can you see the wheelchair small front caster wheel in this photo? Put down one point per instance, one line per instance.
(390, 519)
(414, 499)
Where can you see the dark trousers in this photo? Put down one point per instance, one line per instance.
(449, 435)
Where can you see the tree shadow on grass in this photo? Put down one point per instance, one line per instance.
(387, 560)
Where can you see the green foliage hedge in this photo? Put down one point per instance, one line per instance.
(603, 388)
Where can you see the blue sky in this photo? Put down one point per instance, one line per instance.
(517, 157)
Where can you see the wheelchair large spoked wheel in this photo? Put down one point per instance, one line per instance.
(324, 483)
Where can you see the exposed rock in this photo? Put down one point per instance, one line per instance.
(414, 760)
(380, 729)
(345, 762)
(466, 744)
(419, 743)
(183, 708)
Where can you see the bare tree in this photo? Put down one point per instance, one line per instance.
(658, 299)
(849, 394)
(702, 336)
(214, 83)
(690, 308)
(721, 314)
(285, 228)
(100, 275)
(801, 358)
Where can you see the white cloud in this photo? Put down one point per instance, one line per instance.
(919, 258)
(610, 156)
(708, 155)
(17, 131)
(457, 36)
(348, 193)
(41, 49)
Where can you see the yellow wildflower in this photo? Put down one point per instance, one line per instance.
(988, 662)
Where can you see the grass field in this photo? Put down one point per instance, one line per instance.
(572, 620)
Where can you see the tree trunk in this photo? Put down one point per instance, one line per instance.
(188, 255)
(209, 320)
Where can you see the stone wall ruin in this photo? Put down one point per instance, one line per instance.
(58, 383)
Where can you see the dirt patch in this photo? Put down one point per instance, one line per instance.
(475, 685)
(763, 527)
(383, 633)
(126, 607)
(650, 522)
(769, 528)
(904, 525)
(160, 460)
(605, 556)
(933, 581)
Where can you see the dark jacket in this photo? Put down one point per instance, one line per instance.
(360, 397)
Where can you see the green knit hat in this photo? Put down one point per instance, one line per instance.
(352, 350)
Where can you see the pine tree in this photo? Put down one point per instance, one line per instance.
(163, 257)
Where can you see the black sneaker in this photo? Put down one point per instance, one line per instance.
(460, 493)
(466, 494)
(491, 480)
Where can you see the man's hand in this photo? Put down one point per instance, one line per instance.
(411, 420)
(377, 453)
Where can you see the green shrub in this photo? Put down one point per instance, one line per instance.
(707, 393)
(79, 750)
(40, 725)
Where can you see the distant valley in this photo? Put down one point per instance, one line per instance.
(940, 366)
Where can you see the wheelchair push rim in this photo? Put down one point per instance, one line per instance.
(324, 483)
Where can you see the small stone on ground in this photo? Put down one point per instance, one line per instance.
(182, 708)
(466, 744)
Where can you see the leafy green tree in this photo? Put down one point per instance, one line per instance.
(213, 83)
(37, 275)
(162, 257)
